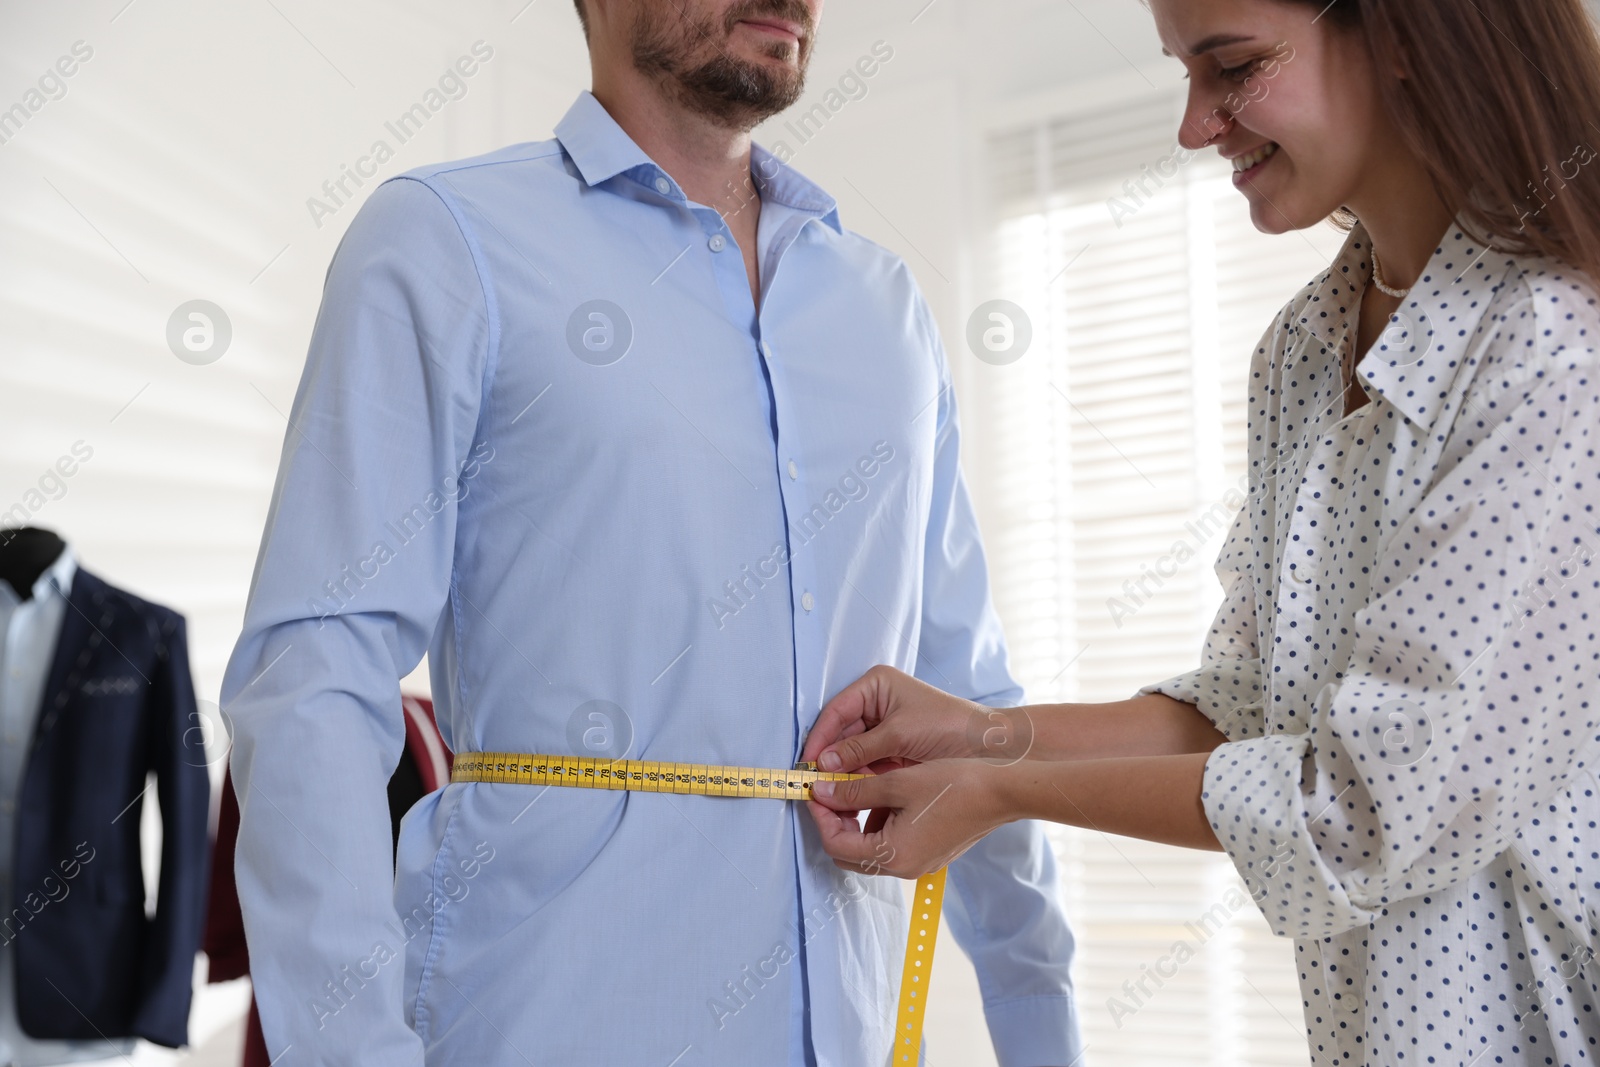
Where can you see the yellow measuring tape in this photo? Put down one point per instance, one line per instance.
(715, 780)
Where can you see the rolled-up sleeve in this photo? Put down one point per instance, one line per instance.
(1004, 908)
(1468, 700)
(353, 573)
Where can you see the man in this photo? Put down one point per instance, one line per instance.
(651, 457)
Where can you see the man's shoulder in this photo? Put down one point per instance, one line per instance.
(510, 155)
(437, 198)
(458, 176)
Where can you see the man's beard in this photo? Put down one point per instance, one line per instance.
(688, 57)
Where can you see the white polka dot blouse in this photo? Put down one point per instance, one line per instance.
(1407, 665)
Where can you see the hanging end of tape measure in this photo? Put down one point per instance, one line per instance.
(926, 902)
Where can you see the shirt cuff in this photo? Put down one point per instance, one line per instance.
(1227, 692)
(1035, 1031)
(1269, 826)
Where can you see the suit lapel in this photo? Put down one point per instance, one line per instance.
(75, 631)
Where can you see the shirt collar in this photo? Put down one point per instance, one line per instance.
(601, 150)
(1415, 361)
(59, 575)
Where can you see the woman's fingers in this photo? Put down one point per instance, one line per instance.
(850, 712)
(859, 728)
(888, 719)
(878, 749)
(845, 841)
(959, 798)
(852, 847)
(858, 794)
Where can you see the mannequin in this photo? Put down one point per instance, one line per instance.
(25, 552)
(96, 698)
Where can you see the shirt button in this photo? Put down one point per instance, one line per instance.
(766, 349)
(808, 601)
(1300, 575)
(794, 470)
(717, 242)
(663, 186)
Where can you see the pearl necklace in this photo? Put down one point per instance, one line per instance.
(1377, 279)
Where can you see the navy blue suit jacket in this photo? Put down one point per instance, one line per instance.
(118, 705)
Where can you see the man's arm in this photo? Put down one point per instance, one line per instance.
(1004, 908)
(353, 573)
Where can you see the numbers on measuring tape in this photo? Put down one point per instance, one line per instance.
(648, 776)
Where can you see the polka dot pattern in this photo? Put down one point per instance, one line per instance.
(1407, 666)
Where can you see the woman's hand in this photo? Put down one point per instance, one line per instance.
(922, 816)
(887, 719)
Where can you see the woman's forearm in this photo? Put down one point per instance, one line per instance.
(1154, 798)
(1152, 725)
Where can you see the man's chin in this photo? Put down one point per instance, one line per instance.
(741, 93)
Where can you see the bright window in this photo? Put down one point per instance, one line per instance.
(1111, 467)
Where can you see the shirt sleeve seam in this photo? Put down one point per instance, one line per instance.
(491, 308)
(491, 366)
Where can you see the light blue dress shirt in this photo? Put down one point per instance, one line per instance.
(545, 435)
(29, 632)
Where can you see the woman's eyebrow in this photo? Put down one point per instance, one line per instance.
(1215, 41)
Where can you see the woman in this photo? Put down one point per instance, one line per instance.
(1394, 728)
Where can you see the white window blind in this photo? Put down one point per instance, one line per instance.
(1115, 448)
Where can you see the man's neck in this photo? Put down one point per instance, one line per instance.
(709, 161)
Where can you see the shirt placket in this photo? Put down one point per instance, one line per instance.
(788, 441)
(806, 586)
(728, 268)
(804, 581)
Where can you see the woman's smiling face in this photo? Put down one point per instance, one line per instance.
(1284, 93)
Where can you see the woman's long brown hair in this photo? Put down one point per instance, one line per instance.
(1501, 100)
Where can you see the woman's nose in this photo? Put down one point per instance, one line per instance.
(1204, 120)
